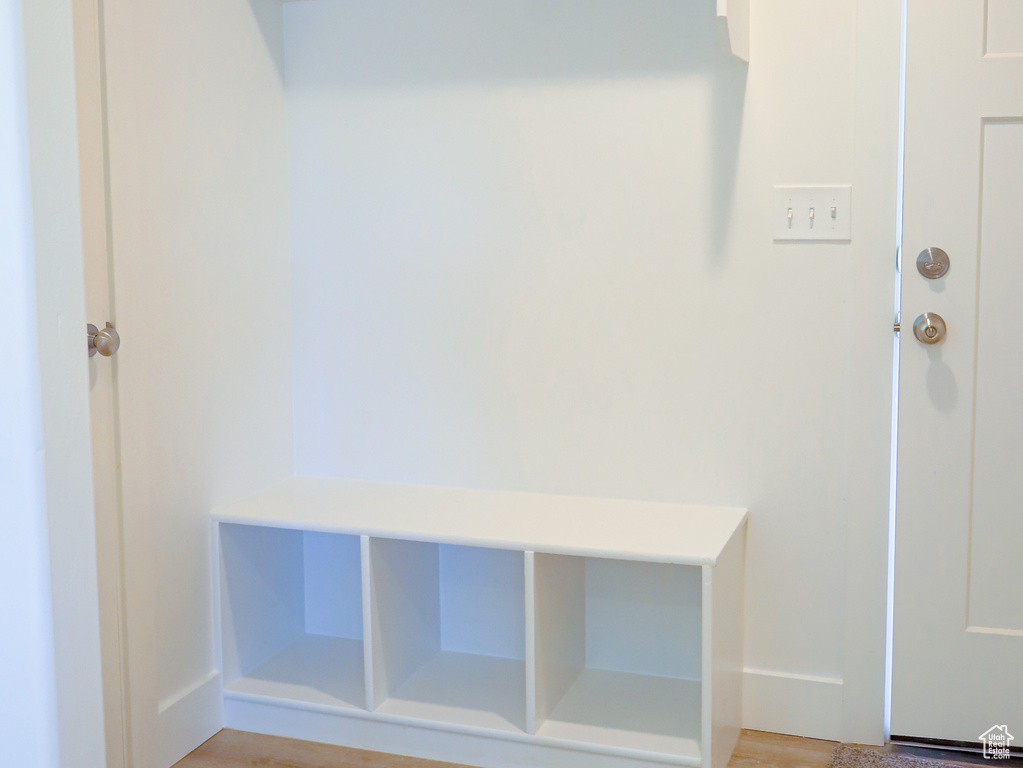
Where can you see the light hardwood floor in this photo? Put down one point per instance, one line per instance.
(756, 749)
(236, 749)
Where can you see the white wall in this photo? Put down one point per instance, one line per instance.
(50, 686)
(531, 249)
(28, 705)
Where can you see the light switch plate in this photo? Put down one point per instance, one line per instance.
(813, 213)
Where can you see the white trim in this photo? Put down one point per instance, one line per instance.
(866, 500)
(190, 717)
(800, 705)
(995, 631)
(427, 739)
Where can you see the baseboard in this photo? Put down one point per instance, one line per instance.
(462, 745)
(189, 718)
(800, 705)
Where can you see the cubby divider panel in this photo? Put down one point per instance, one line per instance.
(448, 634)
(291, 615)
(618, 657)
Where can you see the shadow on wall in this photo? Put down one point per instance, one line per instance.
(266, 16)
(415, 42)
(451, 43)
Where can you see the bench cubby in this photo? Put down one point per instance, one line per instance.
(618, 653)
(483, 627)
(448, 633)
(291, 615)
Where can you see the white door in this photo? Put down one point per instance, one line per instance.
(958, 633)
(102, 370)
(187, 255)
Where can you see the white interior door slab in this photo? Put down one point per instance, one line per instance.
(199, 275)
(958, 635)
(102, 370)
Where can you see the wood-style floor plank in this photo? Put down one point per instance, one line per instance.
(758, 749)
(237, 749)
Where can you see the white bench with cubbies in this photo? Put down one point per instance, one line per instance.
(483, 627)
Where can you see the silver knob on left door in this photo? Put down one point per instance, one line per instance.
(106, 342)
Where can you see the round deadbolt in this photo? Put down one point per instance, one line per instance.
(929, 328)
(932, 263)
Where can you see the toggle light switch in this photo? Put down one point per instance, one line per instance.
(797, 218)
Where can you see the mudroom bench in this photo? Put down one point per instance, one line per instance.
(488, 628)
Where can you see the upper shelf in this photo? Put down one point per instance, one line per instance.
(737, 13)
(631, 530)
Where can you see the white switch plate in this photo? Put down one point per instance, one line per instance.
(818, 213)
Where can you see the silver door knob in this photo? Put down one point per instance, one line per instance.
(929, 328)
(106, 342)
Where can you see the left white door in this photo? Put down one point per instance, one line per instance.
(187, 209)
(102, 370)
